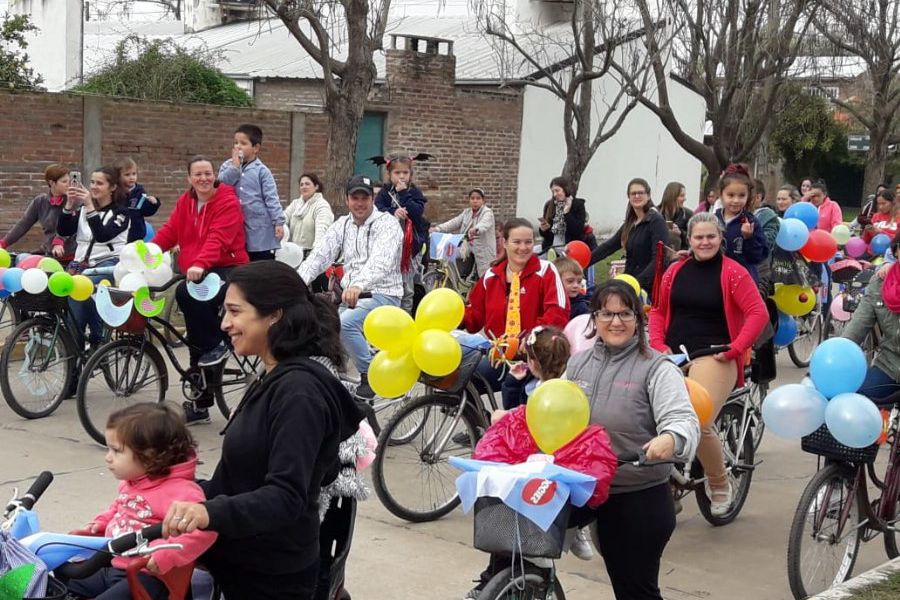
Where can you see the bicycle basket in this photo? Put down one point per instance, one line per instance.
(498, 528)
(45, 302)
(821, 442)
(136, 323)
(457, 380)
(55, 591)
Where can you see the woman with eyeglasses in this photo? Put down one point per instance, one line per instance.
(644, 226)
(639, 396)
(709, 300)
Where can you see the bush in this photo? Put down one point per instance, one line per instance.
(14, 69)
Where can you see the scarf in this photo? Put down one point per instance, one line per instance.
(408, 238)
(559, 218)
(890, 291)
(57, 200)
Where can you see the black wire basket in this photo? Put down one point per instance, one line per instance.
(45, 302)
(500, 529)
(822, 443)
(457, 380)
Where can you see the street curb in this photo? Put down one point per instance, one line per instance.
(860, 582)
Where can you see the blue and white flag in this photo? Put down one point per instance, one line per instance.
(444, 246)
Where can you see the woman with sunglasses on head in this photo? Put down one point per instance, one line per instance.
(705, 301)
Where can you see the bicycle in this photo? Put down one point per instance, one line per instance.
(133, 369)
(444, 272)
(850, 293)
(810, 333)
(834, 514)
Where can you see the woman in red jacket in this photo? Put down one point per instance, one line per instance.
(208, 226)
(518, 293)
(709, 300)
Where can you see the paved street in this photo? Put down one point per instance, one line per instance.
(394, 560)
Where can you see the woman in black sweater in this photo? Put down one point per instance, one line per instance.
(565, 217)
(281, 443)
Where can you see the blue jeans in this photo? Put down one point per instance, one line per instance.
(878, 385)
(352, 328)
(85, 313)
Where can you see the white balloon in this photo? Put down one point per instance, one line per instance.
(132, 282)
(167, 258)
(129, 255)
(159, 276)
(119, 272)
(290, 254)
(34, 281)
(154, 248)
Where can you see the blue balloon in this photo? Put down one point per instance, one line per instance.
(838, 366)
(150, 232)
(853, 420)
(804, 211)
(4, 294)
(20, 258)
(12, 280)
(879, 244)
(786, 331)
(792, 234)
(794, 410)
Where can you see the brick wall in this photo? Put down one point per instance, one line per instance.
(287, 94)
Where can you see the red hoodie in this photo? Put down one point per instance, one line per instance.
(542, 299)
(144, 502)
(214, 237)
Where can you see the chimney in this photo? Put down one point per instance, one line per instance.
(55, 49)
(416, 61)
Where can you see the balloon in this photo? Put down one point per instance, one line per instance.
(786, 330)
(794, 300)
(60, 284)
(792, 235)
(82, 288)
(879, 245)
(119, 273)
(290, 254)
(556, 413)
(808, 382)
(150, 255)
(551, 255)
(160, 275)
(838, 366)
(853, 420)
(442, 309)
(390, 328)
(436, 352)
(700, 400)
(132, 282)
(878, 260)
(804, 211)
(794, 410)
(12, 280)
(2, 271)
(841, 234)
(207, 289)
(579, 252)
(392, 375)
(150, 232)
(5, 258)
(129, 258)
(820, 247)
(20, 257)
(837, 309)
(855, 247)
(49, 265)
(31, 262)
(630, 280)
(576, 331)
(34, 281)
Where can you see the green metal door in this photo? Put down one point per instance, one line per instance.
(369, 143)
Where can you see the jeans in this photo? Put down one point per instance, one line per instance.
(512, 391)
(878, 385)
(111, 584)
(84, 313)
(201, 319)
(352, 328)
(409, 284)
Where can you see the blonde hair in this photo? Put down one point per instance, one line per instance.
(564, 264)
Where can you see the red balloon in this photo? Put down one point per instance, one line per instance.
(820, 247)
(31, 262)
(579, 252)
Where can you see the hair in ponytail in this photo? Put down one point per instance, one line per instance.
(736, 173)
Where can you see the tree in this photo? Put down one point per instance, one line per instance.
(324, 29)
(162, 70)
(14, 69)
(569, 59)
(869, 31)
(737, 55)
(123, 7)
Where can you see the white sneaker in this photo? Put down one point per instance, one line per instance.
(719, 508)
(581, 546)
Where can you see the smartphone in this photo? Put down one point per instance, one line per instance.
(75, 178)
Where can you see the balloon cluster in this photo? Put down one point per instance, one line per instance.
(35, 274)
(837, 370)
(407, 347)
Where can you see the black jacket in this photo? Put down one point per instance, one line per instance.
(640, 250)
(576, 219)
(280, 447)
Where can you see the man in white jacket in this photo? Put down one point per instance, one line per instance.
(370, 244)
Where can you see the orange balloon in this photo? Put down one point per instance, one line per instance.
(700, 400)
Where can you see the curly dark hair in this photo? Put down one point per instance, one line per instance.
(156, 434)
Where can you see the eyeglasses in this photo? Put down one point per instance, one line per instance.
(606, 316)
(637, 194)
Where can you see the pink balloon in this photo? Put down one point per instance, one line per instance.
(31, 262)
(855, 247)
(576, 330)
(837, 309)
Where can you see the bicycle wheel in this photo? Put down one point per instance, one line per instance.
(758, 393)
(435, 279)
(415, 481)
(385, 408)
(737, 445)
(821, 553)
(8, 318)
(37, 367)
(232, 381)
(809, 336)
(534, 584)
(118, 374)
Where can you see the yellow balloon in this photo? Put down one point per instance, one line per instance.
(82, 288)
(556, 413)
(392, 375)
(436, 352)
(794, 300)
(390, 328)
(440, 309)
(630, 280)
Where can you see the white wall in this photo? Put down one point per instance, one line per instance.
(200, 14)
(54, 49)
(641, 148)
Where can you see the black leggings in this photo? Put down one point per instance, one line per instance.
(201, 319)
(237, 584)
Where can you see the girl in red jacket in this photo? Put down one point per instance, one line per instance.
(709, 300)
(518, 293)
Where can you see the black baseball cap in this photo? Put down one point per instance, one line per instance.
(359, 183)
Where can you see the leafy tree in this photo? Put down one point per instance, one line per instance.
(14, 69)
(163, 70)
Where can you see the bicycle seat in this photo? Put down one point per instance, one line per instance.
(177, 581)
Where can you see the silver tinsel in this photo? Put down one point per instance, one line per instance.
(348, 482)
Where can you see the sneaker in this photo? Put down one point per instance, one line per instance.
(581, 546)
(364, 391)
(194, 415)
(214, 356)
(475, 591)
(720, 501)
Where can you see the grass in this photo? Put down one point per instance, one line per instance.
(601, 269)
(889, 589)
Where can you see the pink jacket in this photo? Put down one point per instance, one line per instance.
(829, 215)
(144, 502)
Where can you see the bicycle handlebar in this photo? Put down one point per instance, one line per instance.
(118, 546)
(37, 489)
(639, 459)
